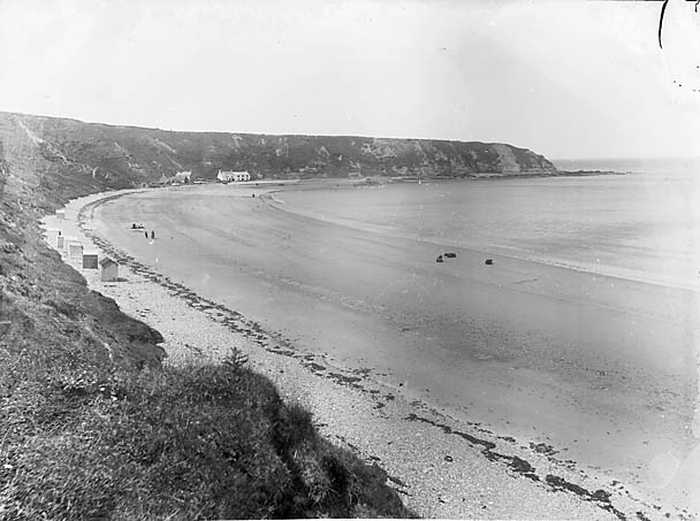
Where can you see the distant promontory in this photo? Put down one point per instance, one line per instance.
(123, 156)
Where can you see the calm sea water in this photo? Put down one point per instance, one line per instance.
(642, 226)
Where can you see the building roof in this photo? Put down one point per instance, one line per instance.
(106, 262)
(234, 172)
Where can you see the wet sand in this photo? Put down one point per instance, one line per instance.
(593, 375)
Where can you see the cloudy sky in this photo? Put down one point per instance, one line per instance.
(568, 79)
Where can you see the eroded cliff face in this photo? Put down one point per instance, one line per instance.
(117, 156)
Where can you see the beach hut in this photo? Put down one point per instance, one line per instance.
(75, 251)
(52, 235)
(109, 270)
(90, 261)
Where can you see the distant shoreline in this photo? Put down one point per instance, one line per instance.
(583, 173)
(386, 179)
(498, 175)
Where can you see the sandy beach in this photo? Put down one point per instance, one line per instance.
(344, 322)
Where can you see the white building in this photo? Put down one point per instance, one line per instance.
(183, 177)
(227, 176)
(180, 178)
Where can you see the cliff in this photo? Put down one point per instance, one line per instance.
(97, 155)
(92, 426)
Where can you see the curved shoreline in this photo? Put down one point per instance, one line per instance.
(492, 450)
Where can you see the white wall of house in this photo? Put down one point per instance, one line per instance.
(227, 176)
(184, 176)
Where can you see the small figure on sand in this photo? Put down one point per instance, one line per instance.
(439, 259)
(488, 262)
(153, 234)
(146, 234)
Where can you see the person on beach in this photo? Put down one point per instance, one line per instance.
(146, 234)
(153, 234)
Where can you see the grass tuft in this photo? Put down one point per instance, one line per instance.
(200, 442)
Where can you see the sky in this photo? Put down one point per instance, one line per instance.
(568, 79)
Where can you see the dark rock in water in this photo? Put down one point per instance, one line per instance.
(450, 255)
(439, 259)
(488, 262)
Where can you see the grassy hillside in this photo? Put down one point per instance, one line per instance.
(92, 426)
(115, 155)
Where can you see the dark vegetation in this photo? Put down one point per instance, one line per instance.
(91, 441)
(103, 154)
(92, 426)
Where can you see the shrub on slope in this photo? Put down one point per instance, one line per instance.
(210, 442)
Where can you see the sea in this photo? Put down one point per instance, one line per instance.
(641, 225)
